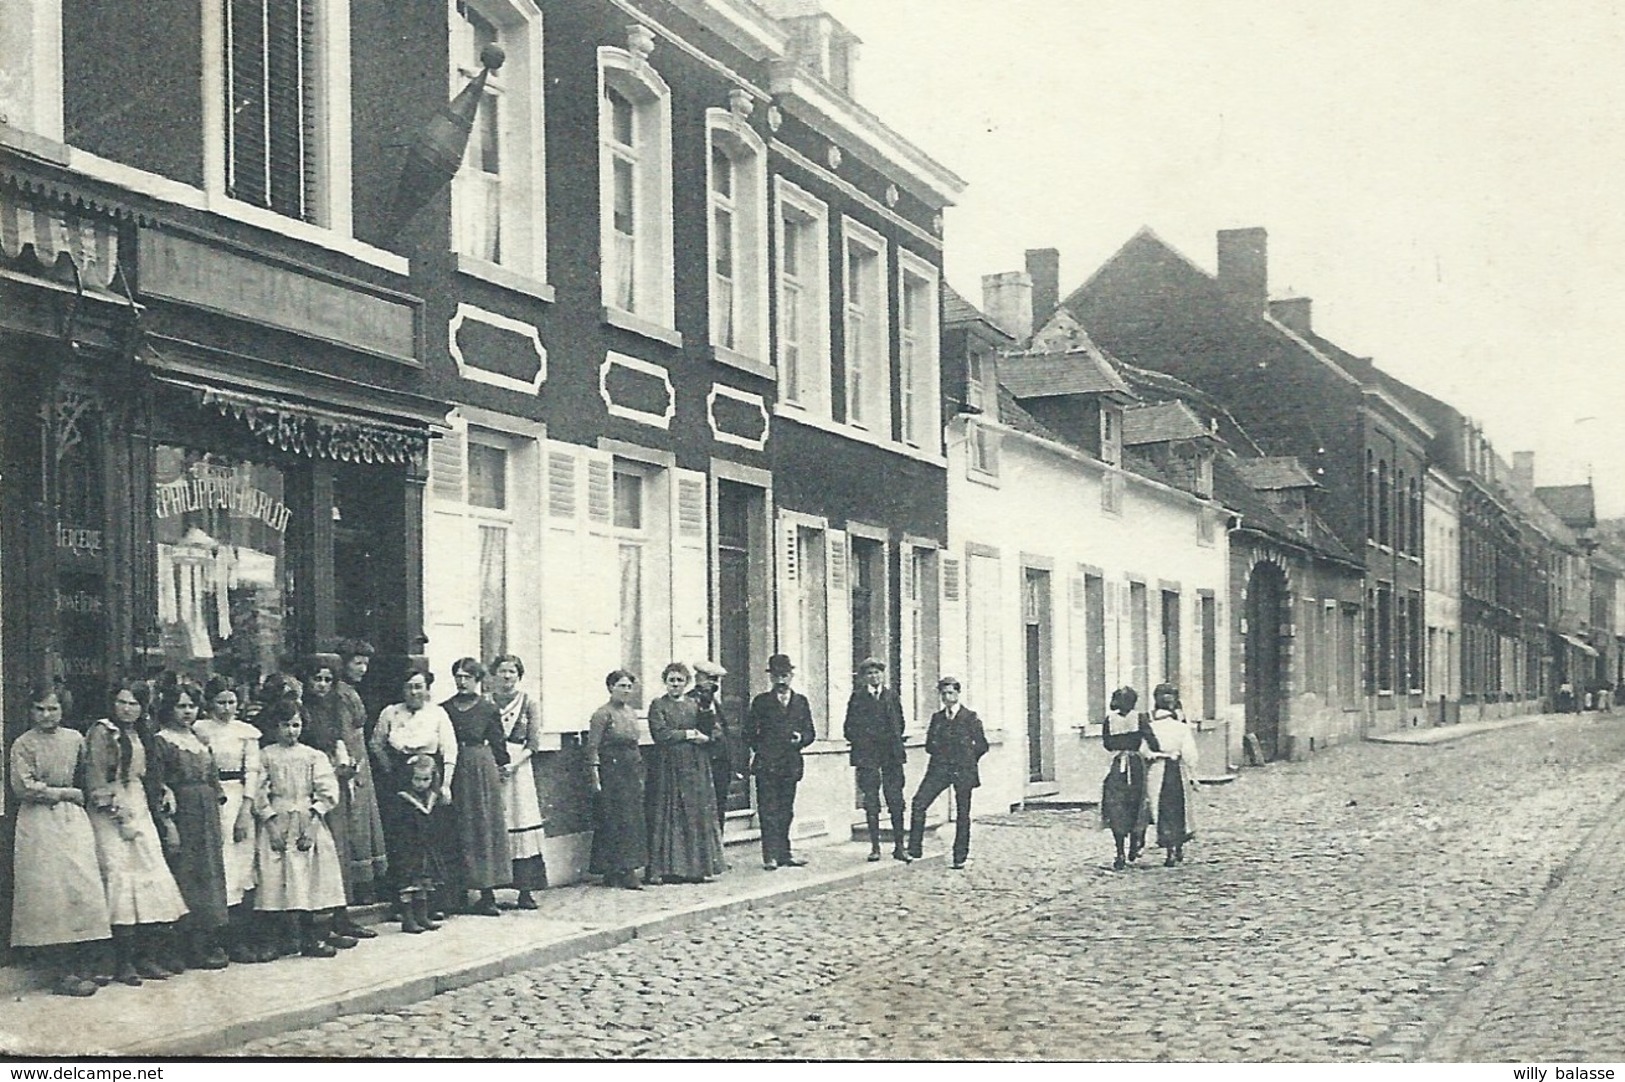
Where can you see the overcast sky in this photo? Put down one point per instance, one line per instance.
(1445, 179)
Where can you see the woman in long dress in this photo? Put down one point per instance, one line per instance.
(413, 726)
(476, 795)
(58, 904)
(1171, 781)
(369, 864)
(235, 747)
(1123, 807)
(142, 898)
(522, 724)
(183, 768)
(685, 840)
(615, 774)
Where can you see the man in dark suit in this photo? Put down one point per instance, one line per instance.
(778, 725)
(874, 728)
(955, 741)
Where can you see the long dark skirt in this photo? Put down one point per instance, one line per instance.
(482, 826)
(1123, 809)
(1172, 828)
(685, 839)
(619, 839)
(198, 866)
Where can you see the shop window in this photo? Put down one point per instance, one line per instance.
(219, 532)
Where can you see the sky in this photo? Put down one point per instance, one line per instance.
(1445, 180)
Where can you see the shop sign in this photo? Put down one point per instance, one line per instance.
(77, 540)
(220, 490)
(349, 314)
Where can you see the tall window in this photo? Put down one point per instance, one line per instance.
(917, 352)
(738, 235)
(635, 187)
(498, 213)
(864, 265)
(273, 87)
(803, 287)
(488, 497)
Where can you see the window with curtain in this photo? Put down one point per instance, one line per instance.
(273, 99)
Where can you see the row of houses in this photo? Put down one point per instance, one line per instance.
(640, 349)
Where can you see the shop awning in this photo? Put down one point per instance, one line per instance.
(91, 244)
(311, 429)
(1579, 644)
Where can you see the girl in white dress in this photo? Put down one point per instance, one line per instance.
(58, 904)
(299, 876)
(236, 748)
(522, 724)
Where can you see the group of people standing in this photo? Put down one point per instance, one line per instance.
(658, 817)
(1152, 777)
(180, 835)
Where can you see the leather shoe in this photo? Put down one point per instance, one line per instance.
(485, 909)
(793, 862)
(874, 856)
(957, 865)
(358, 931)
(770, 866)
(915, 854)
(340, 941)
(898, 854)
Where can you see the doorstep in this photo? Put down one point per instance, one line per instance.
(201, 1013)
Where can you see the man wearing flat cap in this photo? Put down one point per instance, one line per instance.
(778, 726)
(724, 749)
(874, 728)
(956, 742)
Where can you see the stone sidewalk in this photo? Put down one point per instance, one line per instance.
(1442, 734)
(202, 1012)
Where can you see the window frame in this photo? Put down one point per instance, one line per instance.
(522, 176)
(812, 283)
(919, 384)
(730, 134)
(876, 358)
(331, 122)
(652, 299)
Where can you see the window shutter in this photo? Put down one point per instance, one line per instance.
(598, 574)
(1078, 648)
(789, 588)
(951, 637)
(907, 647)
(840, 620)
(565, 704)
(690, 568)
(451, 553)
(600, 491)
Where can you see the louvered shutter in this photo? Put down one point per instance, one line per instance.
(566, 706)
(789, 588)
(910, 647)
(690, 549)
(1078, 649)
(598, 570)
(837, 552)
(952, 641)
(451, 553)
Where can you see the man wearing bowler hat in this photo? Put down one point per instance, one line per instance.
(778, 725)
(874, 728)
(955, 741)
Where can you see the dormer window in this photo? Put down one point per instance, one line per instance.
(1111, 434)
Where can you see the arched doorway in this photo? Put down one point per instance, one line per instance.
(1266, 676)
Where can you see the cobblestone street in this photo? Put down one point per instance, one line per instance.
(1352, 907)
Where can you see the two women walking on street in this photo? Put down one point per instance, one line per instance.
(1152, 776)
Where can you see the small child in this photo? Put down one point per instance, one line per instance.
(59, 901)
(298, 862)
(425, 826)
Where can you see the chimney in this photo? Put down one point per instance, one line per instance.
(1292, 313)
(1044, 267)
(1244, 267)
(1008, 301)
(1523, 468)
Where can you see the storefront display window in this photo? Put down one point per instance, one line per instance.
(219, 530)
